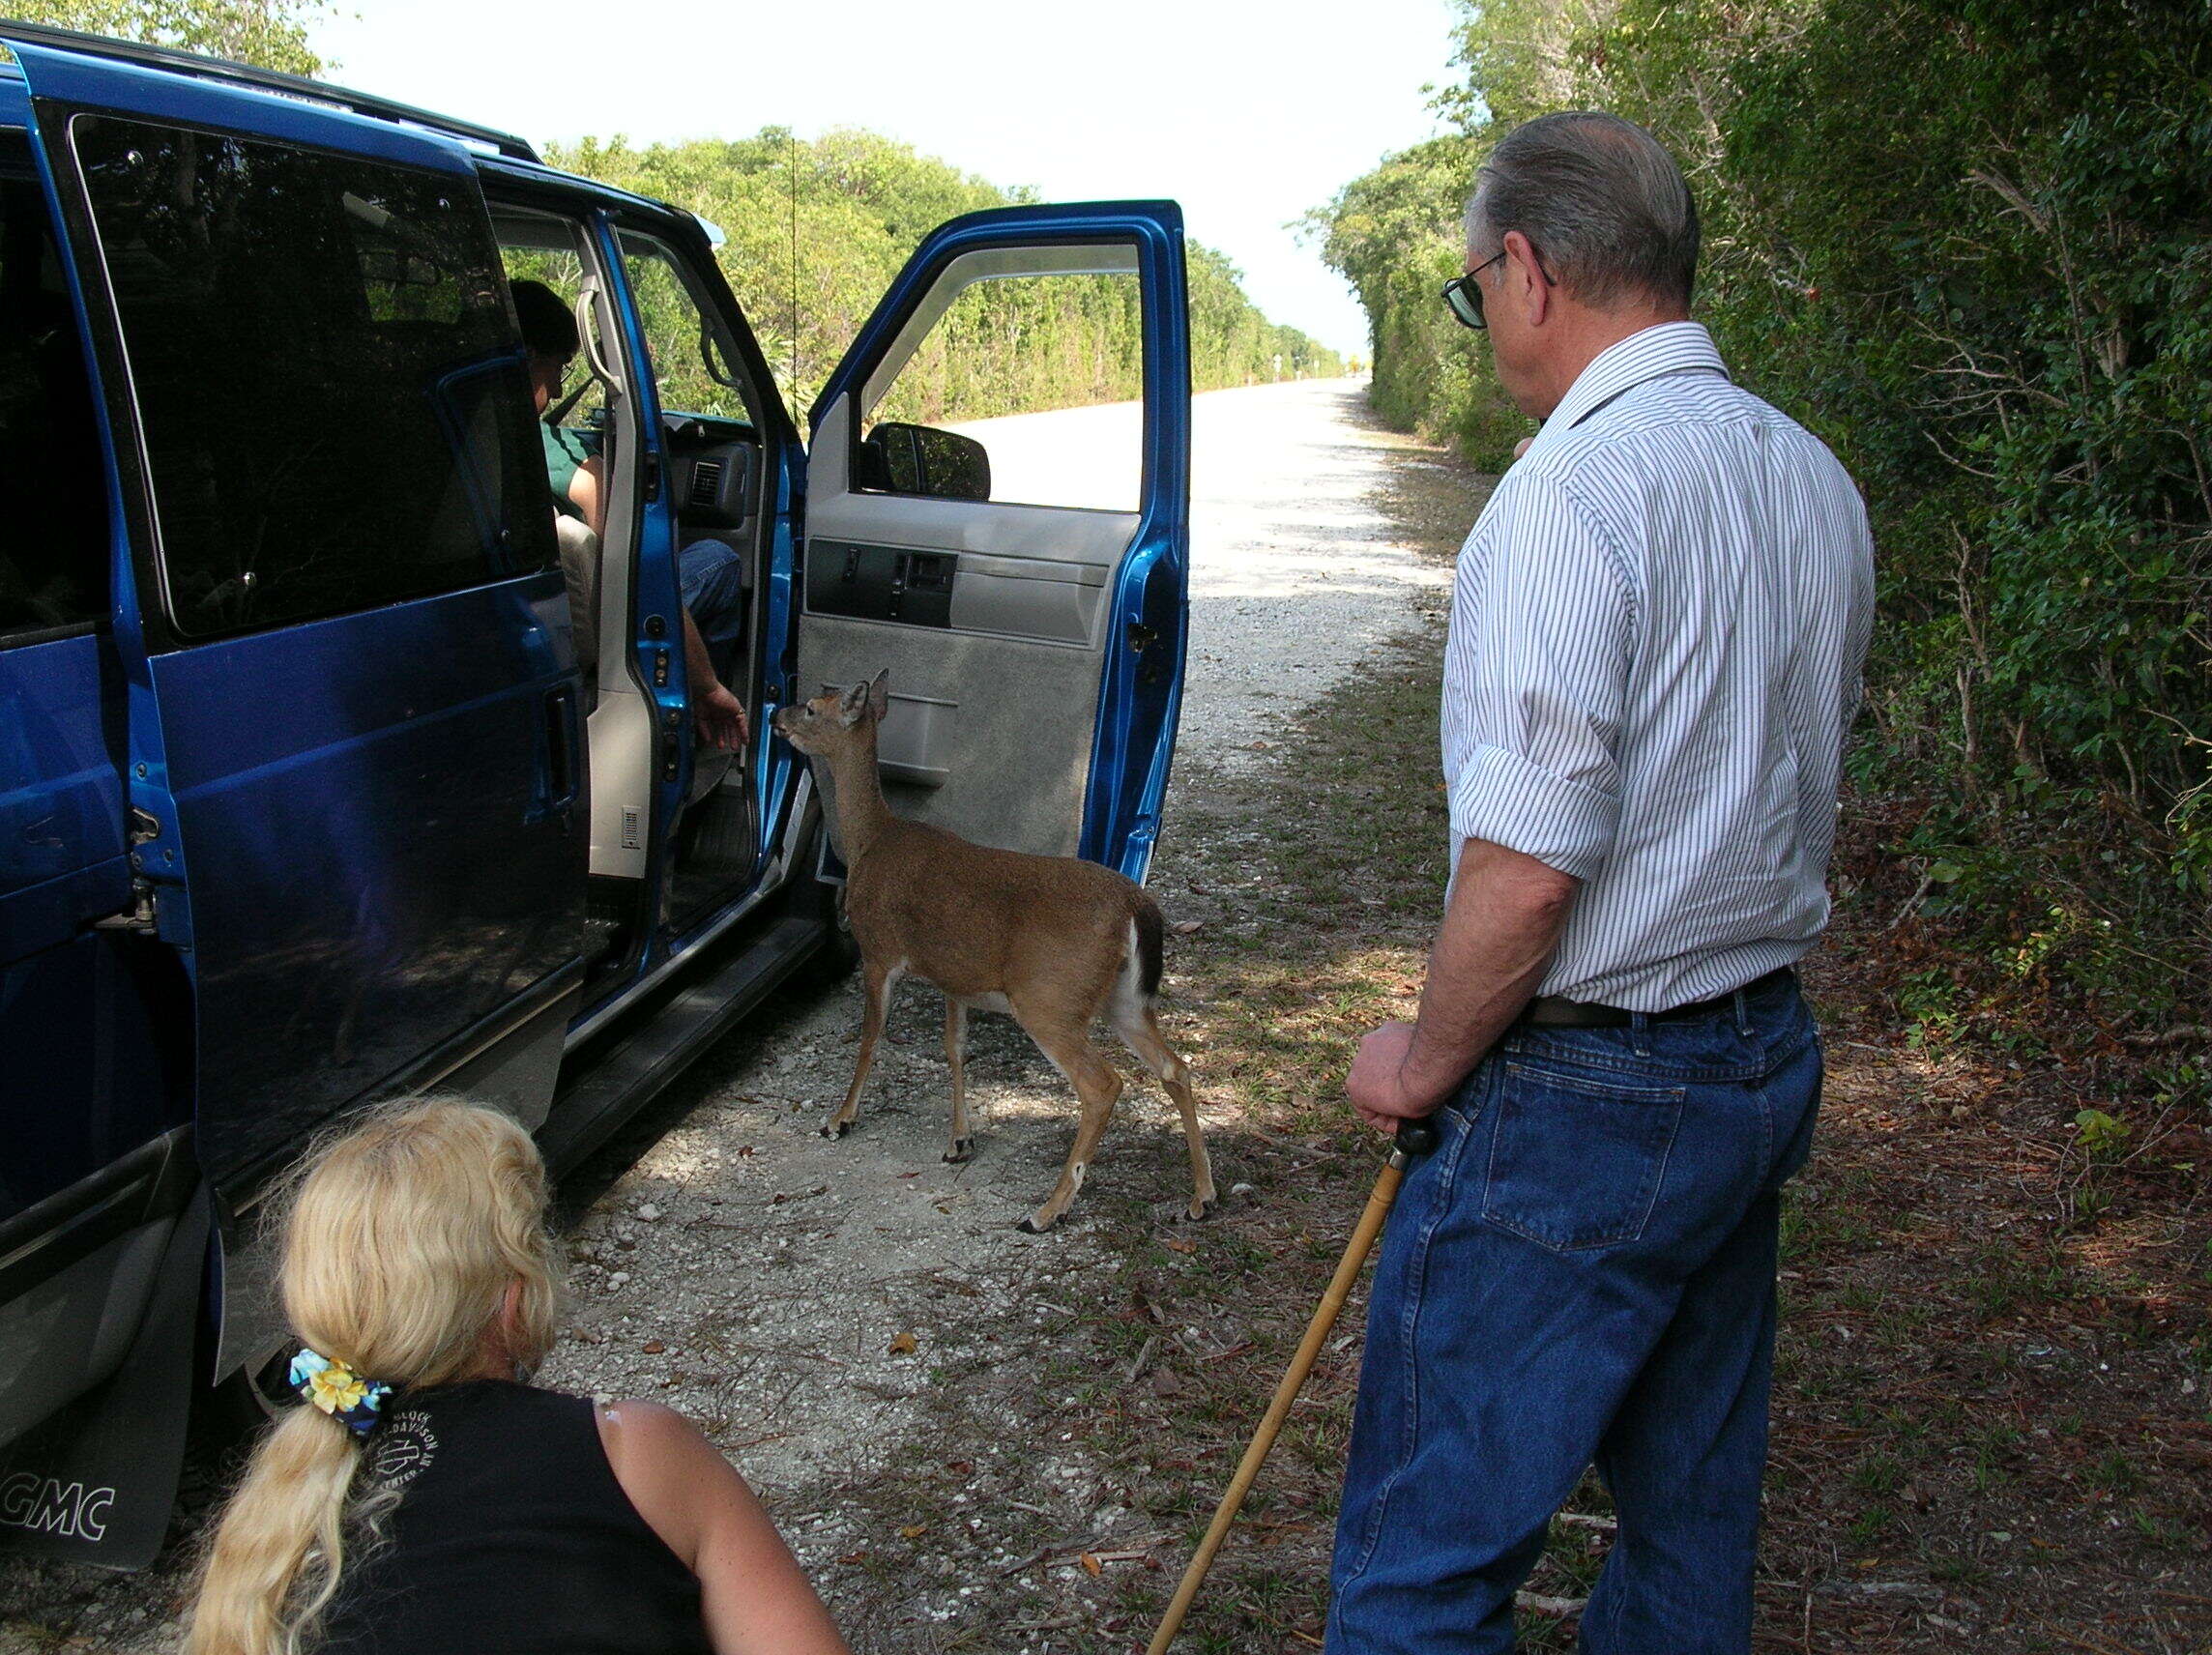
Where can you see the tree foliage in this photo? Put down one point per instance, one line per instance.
(1970, 243)
(270, 34)
(817, 228)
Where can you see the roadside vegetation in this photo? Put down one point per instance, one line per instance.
(819, 228)
(1969, 243)
(270, 33)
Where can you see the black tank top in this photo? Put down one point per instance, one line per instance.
(512, 1537)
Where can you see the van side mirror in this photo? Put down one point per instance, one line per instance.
(896, 458)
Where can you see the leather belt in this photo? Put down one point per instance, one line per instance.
(1553, 1011)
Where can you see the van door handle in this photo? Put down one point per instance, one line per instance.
(561, 765)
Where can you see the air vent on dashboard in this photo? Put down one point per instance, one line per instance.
(707, 483)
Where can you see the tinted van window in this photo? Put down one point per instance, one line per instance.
(53, 535)
(328, 379)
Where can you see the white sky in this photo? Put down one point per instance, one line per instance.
(1246, 112)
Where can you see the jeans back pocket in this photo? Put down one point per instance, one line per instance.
(1576, 1159)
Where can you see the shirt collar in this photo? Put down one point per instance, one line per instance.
(1671, 347)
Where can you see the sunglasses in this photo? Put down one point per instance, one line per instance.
(1465, 297)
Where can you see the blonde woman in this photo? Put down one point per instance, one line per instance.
(429, 1499)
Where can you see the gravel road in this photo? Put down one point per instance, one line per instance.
(841, 1317)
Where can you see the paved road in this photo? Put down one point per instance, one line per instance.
(802, 1299)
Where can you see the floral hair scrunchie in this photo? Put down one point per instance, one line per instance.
(338, 1391)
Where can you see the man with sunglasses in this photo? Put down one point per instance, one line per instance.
(1657, 630)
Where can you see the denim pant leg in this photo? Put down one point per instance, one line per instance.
(1492, 1366)
(1591, 1187)
(1686, 1453)
(712, 579)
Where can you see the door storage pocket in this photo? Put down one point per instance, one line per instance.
(1576, 1159)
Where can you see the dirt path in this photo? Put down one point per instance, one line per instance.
(858, 1324)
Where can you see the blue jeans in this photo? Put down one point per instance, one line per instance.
(1583, 1273)
(711, 578)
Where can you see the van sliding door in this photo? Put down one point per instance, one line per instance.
(355, 713)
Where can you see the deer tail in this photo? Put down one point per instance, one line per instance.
(1152, 941)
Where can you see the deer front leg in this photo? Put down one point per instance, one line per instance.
(955, 1057)
(1099, 1088)
(877, 983)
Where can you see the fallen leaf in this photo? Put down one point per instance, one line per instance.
(1184, 927)
(1092, 1566)
(904, 1345)
(854, 1557)
(652, 1347)
(1175, 1244)
(913, 1531)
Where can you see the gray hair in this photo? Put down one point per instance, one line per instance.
(1600, 200)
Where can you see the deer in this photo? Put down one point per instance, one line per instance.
(1055, 942)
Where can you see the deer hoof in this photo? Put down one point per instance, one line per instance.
(963, 1149)
(1031, 1227)
(836, 1129)
(1198, 1211)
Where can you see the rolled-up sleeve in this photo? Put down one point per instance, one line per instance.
(1538, 676)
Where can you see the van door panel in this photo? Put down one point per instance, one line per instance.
(91, 1077)
(1034, 650)
(375, 860)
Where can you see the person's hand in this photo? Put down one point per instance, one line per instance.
(720, 718)
(1379, 1085)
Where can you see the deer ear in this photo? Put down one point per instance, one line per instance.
(880, 693)
(852, 704)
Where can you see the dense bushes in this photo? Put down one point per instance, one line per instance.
(817, 229)
(1968, 241)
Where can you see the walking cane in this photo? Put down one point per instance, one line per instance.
(1413, 1138)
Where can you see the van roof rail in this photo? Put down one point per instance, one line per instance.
(177, 62)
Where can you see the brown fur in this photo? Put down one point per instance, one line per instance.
(1049, 939)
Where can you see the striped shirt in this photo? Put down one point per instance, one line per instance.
(1658, 625)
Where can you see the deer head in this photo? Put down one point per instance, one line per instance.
(830, 721)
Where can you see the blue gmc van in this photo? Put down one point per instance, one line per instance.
(306, 799)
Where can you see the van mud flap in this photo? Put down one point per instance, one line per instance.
(96, 1483)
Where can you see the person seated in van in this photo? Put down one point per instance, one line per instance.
(427, 1499)
(714, 595)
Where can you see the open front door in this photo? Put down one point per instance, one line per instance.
(353, 705)
(998, 511)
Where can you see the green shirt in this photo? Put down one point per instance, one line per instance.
(566, 450)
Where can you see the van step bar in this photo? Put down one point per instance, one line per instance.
(627, 1076)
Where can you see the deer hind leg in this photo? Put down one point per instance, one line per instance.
(962, 1146)
(877, 982)
(1098, 1088)
(1134, 1022)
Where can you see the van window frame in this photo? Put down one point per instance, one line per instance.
(129, 443)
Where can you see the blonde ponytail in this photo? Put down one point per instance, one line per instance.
(402, 1241)
(276, 1555)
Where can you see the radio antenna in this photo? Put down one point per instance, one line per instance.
(793, 313)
